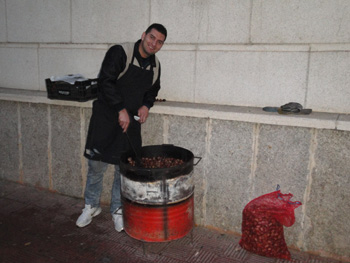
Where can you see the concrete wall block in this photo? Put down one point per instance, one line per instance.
(61, 61)
(38, 21)
(152, 130)
(343, 122)
(87, 116)
(283, 159)
(178, 75)
(3, 29)
(87, 112)
(191, 134)
(328, 202)
(290, 21)
(35, 134)
(66, 157)
(329, 79)
(199, 18)
(251, 78)
(228, 173)
(19, 67)
(9, 141)
(109, 21)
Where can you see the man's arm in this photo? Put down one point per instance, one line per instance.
(112, 65)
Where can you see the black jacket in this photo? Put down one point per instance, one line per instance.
(106, 140)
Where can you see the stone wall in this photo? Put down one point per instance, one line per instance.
(42, 142)
(223, 60)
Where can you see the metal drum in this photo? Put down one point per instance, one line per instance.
(158, 203)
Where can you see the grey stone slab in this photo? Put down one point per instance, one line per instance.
(3, 37)
(343, 122)
(198, 17)
(329, 77)
(87, 112)
(294, 21)
(66, 150)
(177, 63)
(152, 130)
(328, 203)
(38, 21)
(191, 134)
(19, 67)
(188, 132)
(228, 173)
(109, 21)
(260, 78)
(9, 141)
(35, 134)
(283, 159)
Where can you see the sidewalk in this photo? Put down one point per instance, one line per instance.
(39, 226)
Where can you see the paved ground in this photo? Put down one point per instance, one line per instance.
(39, 226)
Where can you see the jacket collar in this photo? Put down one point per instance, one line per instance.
(138, 55)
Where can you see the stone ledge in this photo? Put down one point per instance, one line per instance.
(318, 120)
(37, 97)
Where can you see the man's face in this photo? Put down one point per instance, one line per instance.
(151, 43)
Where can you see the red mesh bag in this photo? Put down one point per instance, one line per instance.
(262, 224)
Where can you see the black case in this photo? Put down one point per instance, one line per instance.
(79, 91)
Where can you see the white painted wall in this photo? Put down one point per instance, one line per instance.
(230, 52)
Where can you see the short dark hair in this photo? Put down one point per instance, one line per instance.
(160, 28)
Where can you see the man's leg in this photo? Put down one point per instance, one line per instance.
(115, 196)
(116, 210)
(93, 190)
(94, 182)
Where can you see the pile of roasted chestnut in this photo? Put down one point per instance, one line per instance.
(157, 162)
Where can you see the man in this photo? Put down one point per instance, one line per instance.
(129, 81)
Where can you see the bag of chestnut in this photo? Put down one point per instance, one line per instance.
(262, 224)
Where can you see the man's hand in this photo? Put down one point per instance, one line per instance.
(124, 120)
(143, 114)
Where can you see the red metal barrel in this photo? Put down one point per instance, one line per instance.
(158, 204)
(158, 223)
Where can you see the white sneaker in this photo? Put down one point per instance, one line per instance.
(117, 218)
(88, 213)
